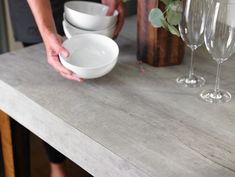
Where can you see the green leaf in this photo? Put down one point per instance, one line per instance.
(173, 12)
(164, 23)
(155, 17)
(175, 6)
(173, 30)
(173, 17)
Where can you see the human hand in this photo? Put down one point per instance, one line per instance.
(116, 5)
(53, 44)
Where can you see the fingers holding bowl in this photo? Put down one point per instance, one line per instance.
(54, 61)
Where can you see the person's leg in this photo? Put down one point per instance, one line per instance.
(57, 170)
(56, 161)
(21, 149)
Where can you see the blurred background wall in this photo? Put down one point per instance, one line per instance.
(7, 42)
(13, 45)
(3, 29)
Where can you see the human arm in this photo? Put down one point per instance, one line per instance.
(42, 12)
(116, 5)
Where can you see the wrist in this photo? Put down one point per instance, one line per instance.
(48, 36)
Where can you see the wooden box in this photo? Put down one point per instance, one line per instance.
(156, 47)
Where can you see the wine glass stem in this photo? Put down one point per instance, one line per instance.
(217, 81)
(191, 68)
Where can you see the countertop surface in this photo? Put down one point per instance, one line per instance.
(127, 123)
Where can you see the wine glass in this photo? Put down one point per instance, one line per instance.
(191, 28)
(220, 41)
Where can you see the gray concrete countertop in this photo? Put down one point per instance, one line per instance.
(125, 124)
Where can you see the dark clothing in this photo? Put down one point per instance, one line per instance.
(24, 25)
(53, 155)
(21, 149)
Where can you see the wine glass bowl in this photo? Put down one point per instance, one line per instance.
(191, 28)
(219, 38)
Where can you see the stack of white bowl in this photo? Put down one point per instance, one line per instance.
(82, 17)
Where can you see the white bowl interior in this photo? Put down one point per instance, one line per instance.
(90, 8)
(89, 51)
(89, 15)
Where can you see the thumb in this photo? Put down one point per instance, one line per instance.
(64, 52)
(111, 10)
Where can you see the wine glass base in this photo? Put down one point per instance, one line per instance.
(220, 96)
(194, 81)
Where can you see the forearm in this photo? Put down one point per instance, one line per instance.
(42, 13)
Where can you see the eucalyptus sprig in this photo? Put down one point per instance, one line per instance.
(168, 19)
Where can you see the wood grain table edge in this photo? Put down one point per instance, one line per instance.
(7, 146)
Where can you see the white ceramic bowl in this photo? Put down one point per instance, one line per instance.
(89, 15)
(91, 55)
(70, 30)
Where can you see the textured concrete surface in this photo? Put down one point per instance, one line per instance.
(125, 124)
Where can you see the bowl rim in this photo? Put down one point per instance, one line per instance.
(71, 31)
(91, 68)
(115, 14)
(81, 29)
